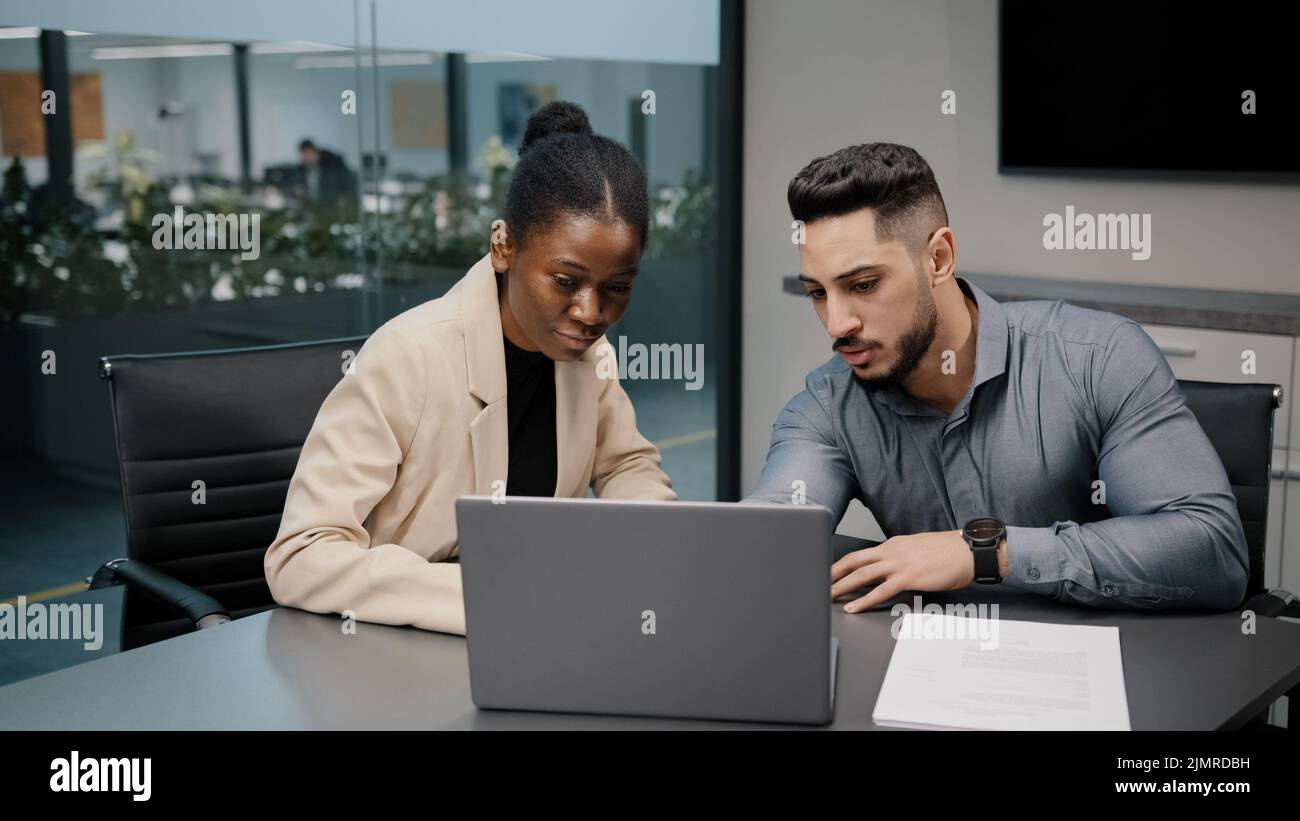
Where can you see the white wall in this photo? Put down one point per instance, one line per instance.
(675, 133)
(287, 104)
(822, 76)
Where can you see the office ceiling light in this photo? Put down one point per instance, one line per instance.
(293, 47)
(27, 32)
(501, 57)
(349, 61)
(153, 52)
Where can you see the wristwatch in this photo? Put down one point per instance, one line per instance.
(984, 535)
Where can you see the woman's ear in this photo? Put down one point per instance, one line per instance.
(502, 248)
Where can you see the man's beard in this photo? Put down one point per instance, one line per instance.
(911, 346)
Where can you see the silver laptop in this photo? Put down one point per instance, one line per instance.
(675, 609)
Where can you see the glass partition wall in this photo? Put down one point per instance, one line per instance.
(288, 185)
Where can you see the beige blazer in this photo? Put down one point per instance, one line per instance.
(418, 421)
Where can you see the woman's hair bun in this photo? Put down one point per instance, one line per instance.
(559, 117)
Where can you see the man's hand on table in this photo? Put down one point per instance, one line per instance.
(922, 562)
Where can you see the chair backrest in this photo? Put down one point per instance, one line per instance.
(233, 420)
(1238, 420)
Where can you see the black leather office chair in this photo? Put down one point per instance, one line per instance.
(234, 420)
(1238, 420)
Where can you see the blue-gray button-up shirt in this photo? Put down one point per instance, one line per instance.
(1073, 432)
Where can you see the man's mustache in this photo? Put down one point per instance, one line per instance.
(855, 342)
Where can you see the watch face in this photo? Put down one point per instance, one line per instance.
(984, 528)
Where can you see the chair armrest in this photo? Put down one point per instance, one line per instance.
(197, 606)
(1274, 603)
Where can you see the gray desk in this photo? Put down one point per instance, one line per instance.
(287, 669)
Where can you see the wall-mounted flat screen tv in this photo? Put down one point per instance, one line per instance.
(1149, 86)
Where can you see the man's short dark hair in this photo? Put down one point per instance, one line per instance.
(305, 144)
(894, 181)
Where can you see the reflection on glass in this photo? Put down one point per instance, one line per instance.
(349, 203)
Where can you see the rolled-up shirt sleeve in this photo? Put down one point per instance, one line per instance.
(1175, 539)
(805, 465)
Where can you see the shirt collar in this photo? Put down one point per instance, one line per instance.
(991, 344)
(990, 357)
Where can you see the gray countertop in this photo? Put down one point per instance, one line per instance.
(1158, 305)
